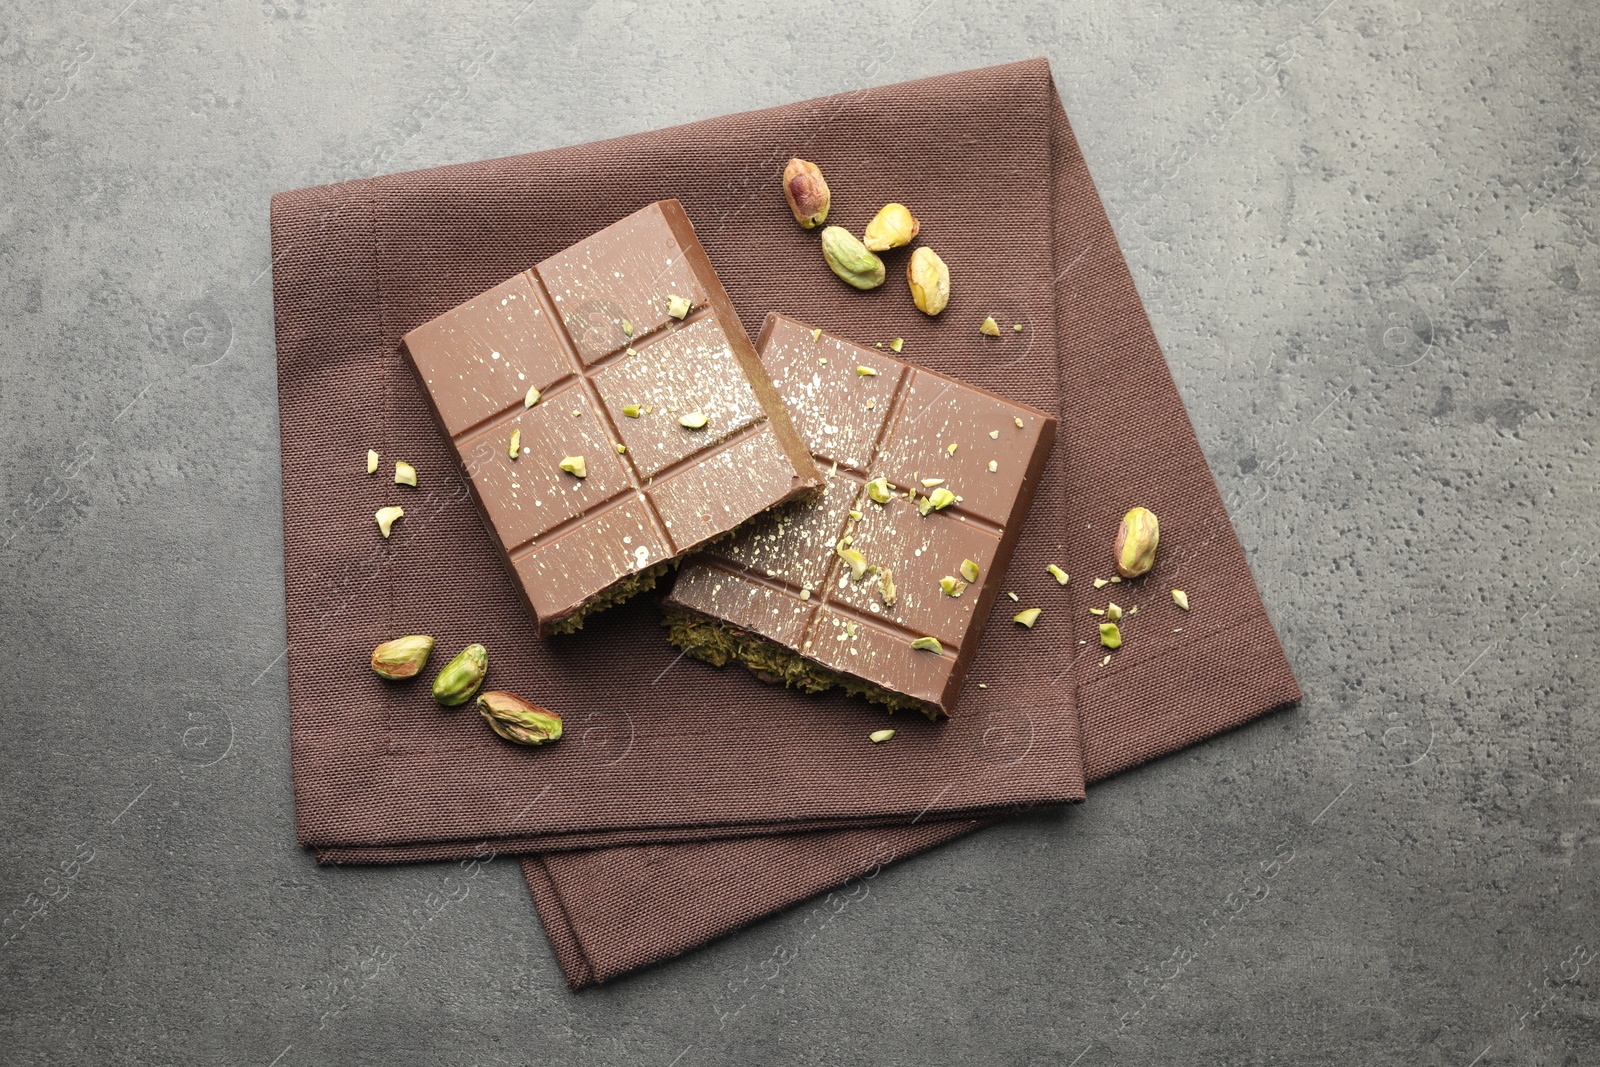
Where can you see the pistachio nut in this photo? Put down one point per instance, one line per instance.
(897, 345)
(518, 721)
(387, 517)
(1136, 542)
(1114, 611)
(937, 500)
(927, 644)
(951, 586)
(1027, 617)
(695, 420)
(878, 737)
(807, 193)
(891, 227)
(886, 587)
(929, 280)
(1058, 574)
(404, 657)
(677, 306)
(989, 327)
(462, 676)
(631, 410)
(404, 473)
(1110, 636)
(372, 462)
(575, 466)
(969, 570)
(878, 490)
(514, 449)
(858, 562)
(1180, 598)
(850, 260)
(531, 397)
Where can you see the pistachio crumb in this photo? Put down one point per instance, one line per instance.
(886, 587)
(577, 413)
(931, 482)
(1058, 574)
(865, 372)
(631, 410)
(1018, 421)
(386, 519)
(969, 570)
(855, 516)
(878, 737)
(816, 334)
(404, 473)
(1017, 328)
(853, 556)
(994, 435)
(950, 449)
(927, 644)
(1106, 660)
(372, 462)
(1116, 578)
(822, 360)
(871, 404)
(1133, 610)
(993, 466)
(515, 449)
(627, 327)
(1027, 616)
(878, 490)
(1180, 598)
(1100, 583)
(952, 587)
(1010, 594)
(805, 594)
(532, 396)
(897, 344)
(1114, 612)
(982, 686)
(677, 306)
(695, 420)
(1097, 611)
(989, 328)
(621, 448)
(575, 466)
(630, 351)
(880, 344)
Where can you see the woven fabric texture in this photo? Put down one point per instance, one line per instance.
(686, 801)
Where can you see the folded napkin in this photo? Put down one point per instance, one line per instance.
(686, 800)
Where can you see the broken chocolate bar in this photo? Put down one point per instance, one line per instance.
(928, 482)
(611, 414)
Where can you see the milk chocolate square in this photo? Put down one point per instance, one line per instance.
(782, 596)
(629, 339)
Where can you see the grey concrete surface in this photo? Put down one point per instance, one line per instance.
(1376, 279)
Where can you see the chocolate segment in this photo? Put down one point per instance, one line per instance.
(782, 597)
(592, 329)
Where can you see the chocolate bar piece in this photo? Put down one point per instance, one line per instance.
(610, 413)
(834, 592)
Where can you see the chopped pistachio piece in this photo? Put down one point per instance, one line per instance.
(897, 344)
(372, 462)
(1116, 578)
(969, 570)
(878, 490)
(532, 396)
(886, 587)
(1017, 328)
(404, 473)
(515, 448)
(1110, 636)
(1114, 612)
(853, 556)
(1027, 617)
(878, 737)
(994, 435)
(927, 644)
(627, 327)
(816, 334)
(1058, 574)
(1097, 611)
(630, 351)
(950, 449)
(575, 466)
(865, 371)
(1018, 421)
(989, 328)
(993, 466)
(931, 482)
(1106, 660)
(1180, 598)
(621, 448)
(677, 306)
(1010, 594)
(695, 420)
(1134, 610)
(631, 410)
(937, 500)
(952, 586)
(1100, 583)
(805, 594)
(386, 519)
(855, 516)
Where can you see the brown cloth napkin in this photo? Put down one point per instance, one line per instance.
(686, 801)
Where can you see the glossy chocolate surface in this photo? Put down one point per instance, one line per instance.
(591, 328)
(782, 577)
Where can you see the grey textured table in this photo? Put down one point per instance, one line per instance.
(1374, 273)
